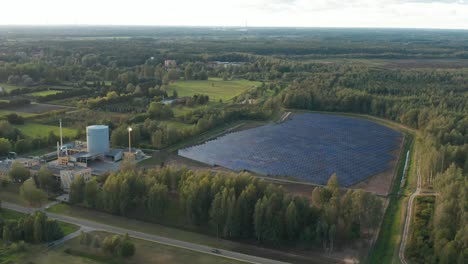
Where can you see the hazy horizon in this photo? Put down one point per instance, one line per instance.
(397, 14)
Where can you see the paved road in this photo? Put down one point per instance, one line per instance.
(69, 236)
(91, 225)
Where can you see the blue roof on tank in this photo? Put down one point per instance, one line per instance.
(98, 127)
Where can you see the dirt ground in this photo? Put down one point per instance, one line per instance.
(381, 183)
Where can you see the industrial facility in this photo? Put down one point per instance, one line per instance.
(80, 159)
(96, 149)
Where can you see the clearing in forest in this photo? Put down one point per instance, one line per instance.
(215, 88)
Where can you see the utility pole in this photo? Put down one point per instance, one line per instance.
(129, 139)
(61, 134)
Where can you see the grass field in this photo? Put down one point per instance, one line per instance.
(38, 130)
(8, 214)
(7, 112)
(183, 235)
(180, 111)
(44, 93)
(215, 88)
(137, 225)
(176, 124)
(146, 252)
(386, 248)
(68, 228)
(10, 87)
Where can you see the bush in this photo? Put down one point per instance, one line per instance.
(127, 248)
(118, 246)
(85, 238)
(4, 182)
(96, 243)
(18, 247)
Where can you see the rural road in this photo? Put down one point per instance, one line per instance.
(409, 214)
(91, 225)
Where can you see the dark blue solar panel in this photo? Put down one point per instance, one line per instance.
(308, 147)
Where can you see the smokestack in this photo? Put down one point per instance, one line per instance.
(61, 134)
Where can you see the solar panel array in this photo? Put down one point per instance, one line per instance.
(309, 147)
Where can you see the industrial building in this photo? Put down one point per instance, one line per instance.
(97, 148)
(68, 175)
(79, 159)
(65, 175)
(98, 139)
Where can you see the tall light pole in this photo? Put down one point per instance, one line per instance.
(129, 139)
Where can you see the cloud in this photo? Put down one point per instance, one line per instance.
(288, 13)
(320, 5)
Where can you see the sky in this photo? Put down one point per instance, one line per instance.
(449, 14)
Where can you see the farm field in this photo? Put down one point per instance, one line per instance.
(215, 88)
(38, 130)
(44, 93)
(304, 149)
(146, 252)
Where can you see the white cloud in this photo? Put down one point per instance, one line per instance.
(306, 13)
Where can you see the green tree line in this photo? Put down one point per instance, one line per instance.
(236, 206)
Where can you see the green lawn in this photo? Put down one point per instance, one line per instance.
(68, 228)
(38, 130)
(8, 214)
(10, 87)
(146, 252)
(215, 88)
(44, 93)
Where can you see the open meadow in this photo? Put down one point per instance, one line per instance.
(38, 130)
(215, 88)
(44, 93)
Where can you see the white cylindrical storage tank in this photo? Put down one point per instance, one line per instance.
(98, 139)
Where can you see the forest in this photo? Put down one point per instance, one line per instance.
(236, 206)
(418, 78)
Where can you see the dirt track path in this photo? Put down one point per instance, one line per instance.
(409, 215)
